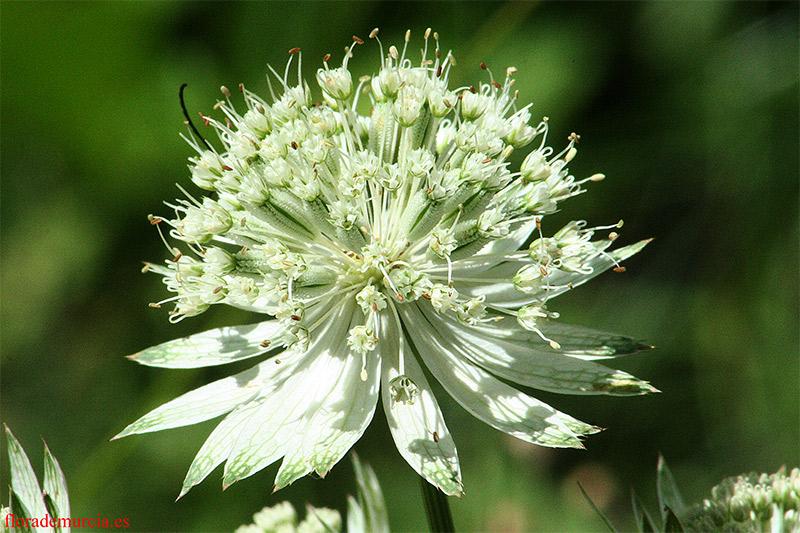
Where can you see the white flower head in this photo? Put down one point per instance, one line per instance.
(381, 230)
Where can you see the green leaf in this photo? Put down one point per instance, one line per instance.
(643, 520)
(371, 506)
(23, 479)
(600, 513)
(669, 498)
(21, 515)
(55, 489)
(671, 523)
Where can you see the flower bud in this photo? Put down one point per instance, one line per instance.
(337, 83)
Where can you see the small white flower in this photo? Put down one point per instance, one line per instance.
(362, 339)
(381, 230)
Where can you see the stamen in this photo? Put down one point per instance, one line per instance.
(449, 271)
(389, 281)
(364, 367)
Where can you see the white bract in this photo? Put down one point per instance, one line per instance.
(381, 231)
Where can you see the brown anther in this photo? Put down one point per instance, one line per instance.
(217, 289)
(226, 167)
(241, 88)
(326, 58)
(373, 33)
(438, 54)
(146, 268)
(435, 436)
(538, 223)
(447, 102)
(228, 122)
(487, 160)
(427, 34)
(496, 85)
(543, 271)
(224, 90)
(429, 191)
(204, 119)
(243, 250)
(375, 307)
(473, 90)
(266, 343)
(293, 51)
(460, 96)
(570, 285)
(619, 269)
(427, 296)
(296, 318)
(483, 65)
(277, 361)
(175, 259)
(294, 145)
(358, 40)
(154, 305)
(399, 296)
(154, 220)
(244, 221)
(217, 106)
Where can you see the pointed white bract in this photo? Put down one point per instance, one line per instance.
(379, 229)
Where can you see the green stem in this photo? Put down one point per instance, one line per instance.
(437, 508)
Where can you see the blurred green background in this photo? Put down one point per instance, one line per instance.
(689, 108)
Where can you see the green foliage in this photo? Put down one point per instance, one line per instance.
(750, 502)
(31, 507)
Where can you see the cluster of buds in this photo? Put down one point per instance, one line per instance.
(320, 199)
(753, 502)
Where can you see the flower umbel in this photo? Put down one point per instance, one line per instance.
(381, 230)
